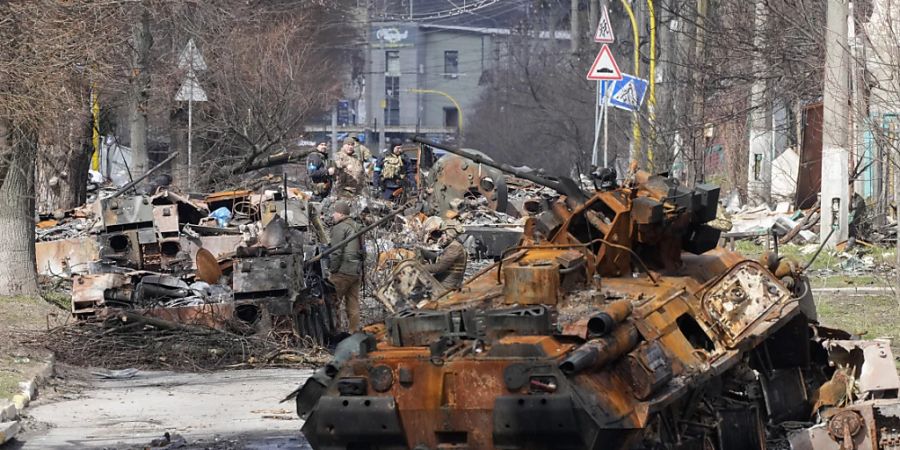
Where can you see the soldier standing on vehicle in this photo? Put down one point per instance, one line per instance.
(321, 174)
(346, 263)
(393, 172)
(349, 171)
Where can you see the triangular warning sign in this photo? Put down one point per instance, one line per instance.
(627, 95)
(604, 33)
(190, 58)
(604, 67)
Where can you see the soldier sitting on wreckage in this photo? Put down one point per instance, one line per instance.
(449, 266)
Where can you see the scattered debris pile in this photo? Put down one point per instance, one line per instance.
(130, 340)
(234, 255)
(616, 322)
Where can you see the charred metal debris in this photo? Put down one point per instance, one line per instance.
(229, 258)
(615, 321)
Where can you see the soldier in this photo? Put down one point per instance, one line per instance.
(349, 172)
(345, 264)
(362, 152)
(393, 172)
(320, 172)
(449, 268)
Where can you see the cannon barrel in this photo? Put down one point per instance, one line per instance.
(594, 355)
(602, 323)
(562, 185)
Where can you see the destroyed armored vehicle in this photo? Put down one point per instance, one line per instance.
(617, 322)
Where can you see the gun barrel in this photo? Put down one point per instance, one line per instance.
(552, 184)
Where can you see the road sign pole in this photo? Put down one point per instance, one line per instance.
(606, 126)
(594, 149)
(190, 125)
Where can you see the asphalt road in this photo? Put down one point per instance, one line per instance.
(220, 410)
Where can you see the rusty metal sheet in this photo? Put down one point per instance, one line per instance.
(297, 212)
(67, 256)
(211, 315)
(220, 246)
(227, 195)
(89, 290)
(165, 220)
(877, 372)
(280, 274)
(124, 211)
(531, 284)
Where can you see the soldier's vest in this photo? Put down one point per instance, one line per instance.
(392, 167)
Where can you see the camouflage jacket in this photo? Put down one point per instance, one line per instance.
(450, 266)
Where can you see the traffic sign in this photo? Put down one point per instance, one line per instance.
(190, 90)
(628, 93)
(604, 67)
(191, 59)
(605, 87)
(604, 33)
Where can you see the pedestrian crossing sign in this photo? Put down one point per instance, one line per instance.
(628, 93)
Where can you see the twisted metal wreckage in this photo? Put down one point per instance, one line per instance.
(234, 260)
(616, 322)
(167, 256)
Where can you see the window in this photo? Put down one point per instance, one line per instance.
(392, 63)
(392, 87)
(451, 118)
(451, 64)
(392, 100)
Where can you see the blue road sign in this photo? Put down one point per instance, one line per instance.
(604, 90)
(628, 93)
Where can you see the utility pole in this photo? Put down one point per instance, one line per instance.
(574, 28)
(759, 168)
(835, 177)
(334, 147)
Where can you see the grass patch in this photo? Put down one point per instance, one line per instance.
(827, 260)
(59, 299)
(878, 316)
(9, 384)
(23, 312)
(13, 370)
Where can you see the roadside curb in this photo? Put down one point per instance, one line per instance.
(28, 391)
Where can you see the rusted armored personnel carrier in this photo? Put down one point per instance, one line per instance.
(617, 322)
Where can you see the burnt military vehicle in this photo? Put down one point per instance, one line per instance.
(617, 322)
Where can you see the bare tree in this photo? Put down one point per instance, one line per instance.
(45, 48)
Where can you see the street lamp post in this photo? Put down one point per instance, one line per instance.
(449, 97)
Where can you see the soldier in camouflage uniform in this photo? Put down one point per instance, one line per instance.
(349, 171)
(346, 263)
(393, 172)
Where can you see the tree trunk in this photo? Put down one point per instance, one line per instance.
(19, 274)
(65, 157)
(139, 93)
